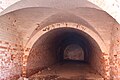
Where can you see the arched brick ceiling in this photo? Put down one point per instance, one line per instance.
(32, 15)
(28, 19)
(112, 7)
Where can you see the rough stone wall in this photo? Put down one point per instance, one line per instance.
(10, 49)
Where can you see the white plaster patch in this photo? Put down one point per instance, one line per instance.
(6, 3)
(112, 7)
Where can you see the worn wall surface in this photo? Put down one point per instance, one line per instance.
(115, 53)
(10, 49)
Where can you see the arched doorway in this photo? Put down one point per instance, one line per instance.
(74, 52)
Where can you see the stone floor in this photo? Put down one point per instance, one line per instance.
(67, 71)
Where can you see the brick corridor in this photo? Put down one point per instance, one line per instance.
(35, 34)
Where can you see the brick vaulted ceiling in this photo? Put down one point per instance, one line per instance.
(30, 14)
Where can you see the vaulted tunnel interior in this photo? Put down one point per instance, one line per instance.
(62, 46)
(63, 52)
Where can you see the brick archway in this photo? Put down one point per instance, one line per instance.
(95, 36)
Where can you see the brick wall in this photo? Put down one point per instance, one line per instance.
(43, 53)
(10, 49)
(115, 53)
(100, 61)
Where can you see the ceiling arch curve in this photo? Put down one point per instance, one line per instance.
(28, 19)
(111, 7)
(62, 18)
(71, 25)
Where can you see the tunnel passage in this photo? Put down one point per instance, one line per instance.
(52, 48)
(74, 52)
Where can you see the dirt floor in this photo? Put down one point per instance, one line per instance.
(69, 70)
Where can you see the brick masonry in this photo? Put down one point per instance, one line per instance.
(13, 56)
(11, 50)
(10, 59)
(115, 53)
(13, 62)
(99, 60)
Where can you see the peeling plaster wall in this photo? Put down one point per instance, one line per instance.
(10, 49)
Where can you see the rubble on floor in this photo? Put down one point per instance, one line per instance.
(67, 71)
